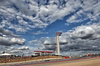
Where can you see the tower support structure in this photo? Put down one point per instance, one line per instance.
(57, 42)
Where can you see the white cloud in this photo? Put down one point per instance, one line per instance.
(23, 16)
(7, 38)
(18, 50)
(81, 38)
(83, 31)
(90, 10)
(26, 50)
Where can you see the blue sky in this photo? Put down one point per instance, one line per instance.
(29, 25)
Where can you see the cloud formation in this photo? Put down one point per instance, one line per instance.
(24, 15)
(18, 50)
(7, 38)
(81, 38)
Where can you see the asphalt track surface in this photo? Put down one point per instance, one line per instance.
(89, 61)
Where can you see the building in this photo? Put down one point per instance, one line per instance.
(57, 48)
(6, 55)
(43, 53)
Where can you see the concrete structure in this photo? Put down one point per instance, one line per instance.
(43, 53)
(57, 42)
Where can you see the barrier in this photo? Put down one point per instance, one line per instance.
(25, 58)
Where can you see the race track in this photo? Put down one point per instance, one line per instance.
(93, 61)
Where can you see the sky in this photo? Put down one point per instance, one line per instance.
(29, 25)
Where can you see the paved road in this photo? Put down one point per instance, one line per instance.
(94, 61)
